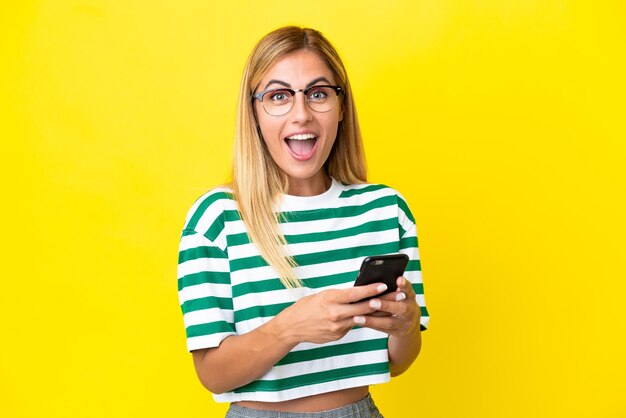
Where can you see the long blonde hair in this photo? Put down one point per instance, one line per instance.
(257, 181)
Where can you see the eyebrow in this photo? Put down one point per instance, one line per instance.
(311, 83)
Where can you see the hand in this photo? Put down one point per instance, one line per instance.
(328, 315)
(397, 313)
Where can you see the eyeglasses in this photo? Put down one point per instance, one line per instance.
(278, 102)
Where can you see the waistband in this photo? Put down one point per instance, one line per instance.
(365, 408)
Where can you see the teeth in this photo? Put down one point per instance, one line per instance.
(302, 137)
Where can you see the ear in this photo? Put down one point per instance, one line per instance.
(341, 115)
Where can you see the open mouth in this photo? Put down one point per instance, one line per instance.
(301, 146)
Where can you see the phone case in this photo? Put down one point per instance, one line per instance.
(382, 268)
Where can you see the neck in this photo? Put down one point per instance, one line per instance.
(309, 187)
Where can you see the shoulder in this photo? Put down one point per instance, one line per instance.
(213, 206)
(377, 194)
(370, 191)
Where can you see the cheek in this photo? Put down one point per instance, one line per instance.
(331, 124)
(269, 132)
(266, 126)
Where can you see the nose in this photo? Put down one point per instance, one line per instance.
(301, 112)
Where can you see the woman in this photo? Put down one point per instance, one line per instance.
(267, 265)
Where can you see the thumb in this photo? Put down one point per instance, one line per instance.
(357, 293)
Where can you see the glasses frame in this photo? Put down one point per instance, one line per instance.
(259, 96)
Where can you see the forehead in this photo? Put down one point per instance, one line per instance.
(298, 68)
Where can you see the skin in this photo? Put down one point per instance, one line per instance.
(330, 314)
(298, 70)
(398, 316)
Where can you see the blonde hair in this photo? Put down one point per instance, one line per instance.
(257, 181)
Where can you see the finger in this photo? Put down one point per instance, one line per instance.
(349, 310)
(384, 324)
(391, 307)
(390, 296)
(357, 293)
(344, 325)
(399, 296)
(396, 296)
(379, 313)
(405, 286)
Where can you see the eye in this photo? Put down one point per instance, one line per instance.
(318, 94)
(279, 96)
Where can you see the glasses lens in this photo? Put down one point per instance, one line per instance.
(321, 99)
(277, 102)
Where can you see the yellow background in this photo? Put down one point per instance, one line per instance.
(502, 122)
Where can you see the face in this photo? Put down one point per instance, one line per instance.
(299, 141)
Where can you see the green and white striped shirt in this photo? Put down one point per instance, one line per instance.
(225, 288)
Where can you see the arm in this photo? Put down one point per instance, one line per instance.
(404, 346)
(402, 323)
(241, 359)
(405, 340)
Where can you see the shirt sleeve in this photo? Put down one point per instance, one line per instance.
(409, 246)
(204, 291)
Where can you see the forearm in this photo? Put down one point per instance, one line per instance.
(241, 359)
(403, 351)
(323, 317)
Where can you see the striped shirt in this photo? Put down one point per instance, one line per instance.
(226, 288)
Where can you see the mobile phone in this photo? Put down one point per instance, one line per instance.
(382, 268)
